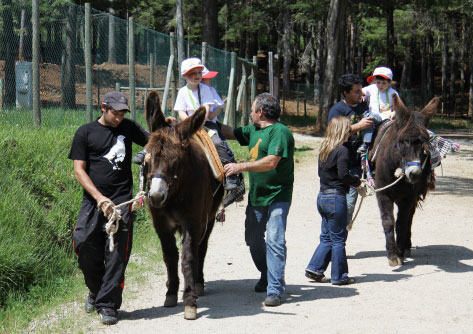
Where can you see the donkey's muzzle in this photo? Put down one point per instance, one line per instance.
(413, 171)
(158, 190)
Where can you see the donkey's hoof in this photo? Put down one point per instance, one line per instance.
(170, 301)
(190, 312)
(407, 253)
(397, 261)
(199, 289)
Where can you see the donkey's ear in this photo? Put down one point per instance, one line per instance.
(399, 107)
(153, 114)
(430, 109)
(191, 124)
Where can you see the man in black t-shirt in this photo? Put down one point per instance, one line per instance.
(101, 152)
(353, 107)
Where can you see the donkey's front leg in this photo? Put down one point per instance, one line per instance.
(386, 210)
(171, 259)
(406, 210)
(189, 270)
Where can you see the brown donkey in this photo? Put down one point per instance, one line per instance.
(405, 145)
(183, 197)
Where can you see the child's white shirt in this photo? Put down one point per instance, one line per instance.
(377, 100)
(188, 100)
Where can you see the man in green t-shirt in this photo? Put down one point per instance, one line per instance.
(271, 173)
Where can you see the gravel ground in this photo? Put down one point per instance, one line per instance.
(431, 293)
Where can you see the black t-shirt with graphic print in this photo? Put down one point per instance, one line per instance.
(108, 151)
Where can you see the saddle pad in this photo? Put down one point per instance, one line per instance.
(204, 140)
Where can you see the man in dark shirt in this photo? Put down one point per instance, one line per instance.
(353, 107)
(101, 152)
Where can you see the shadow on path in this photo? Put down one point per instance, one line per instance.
(236, 298)
(446, 257)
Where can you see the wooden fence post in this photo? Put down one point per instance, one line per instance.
(204, 53)
(229, 108)
(271, 73)
(131, 66)
(88, 63)
(36, 58)
(174, 75)
(254, 82)
(169, 75)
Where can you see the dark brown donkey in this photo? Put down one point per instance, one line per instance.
(403, 145)
(183, 197)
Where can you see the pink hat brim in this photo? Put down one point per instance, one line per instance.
(210, 75)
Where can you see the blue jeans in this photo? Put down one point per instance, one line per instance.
(368, 133)
(333, 209)
(352, 194)
(269, 256)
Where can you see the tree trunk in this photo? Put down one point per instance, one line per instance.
(180, 37)
(423, 71)
(390, 34)
(210, 22)
(68, 97)
(470, 94)
(335, 38)
(10, 49)
(444, 69)
(319, 62)
(463, 65)
(430, 65)
(453, 69)
(286, 51)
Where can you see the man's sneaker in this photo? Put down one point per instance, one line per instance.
(272, 300)
(90, 303)
(362, 149)
(108, 316)
(346, 281)
(261, 286)
(316, 277)
(139, 157)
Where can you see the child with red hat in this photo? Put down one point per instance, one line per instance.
(378, 95)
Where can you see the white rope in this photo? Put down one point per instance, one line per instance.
(113, 215)
(370, 190)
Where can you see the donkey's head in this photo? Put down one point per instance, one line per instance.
(411, 137)
(169, 146)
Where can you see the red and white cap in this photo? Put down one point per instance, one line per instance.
(206, 74)
(189, 64)
(384, 72)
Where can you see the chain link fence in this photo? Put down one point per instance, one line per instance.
(62, 57)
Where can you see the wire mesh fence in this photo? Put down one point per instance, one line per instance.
(62, 64)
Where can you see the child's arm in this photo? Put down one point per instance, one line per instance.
(214, 113)
(182, 114)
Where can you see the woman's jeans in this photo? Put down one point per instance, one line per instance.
(333, 209)
(269, 256)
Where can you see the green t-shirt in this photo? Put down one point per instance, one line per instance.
(273, 185)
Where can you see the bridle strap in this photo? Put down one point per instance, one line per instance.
(161, 176)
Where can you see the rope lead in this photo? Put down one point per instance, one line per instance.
(114, 215)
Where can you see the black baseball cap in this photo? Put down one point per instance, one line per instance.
(116, 100)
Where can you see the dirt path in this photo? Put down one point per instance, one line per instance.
(431, 293)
